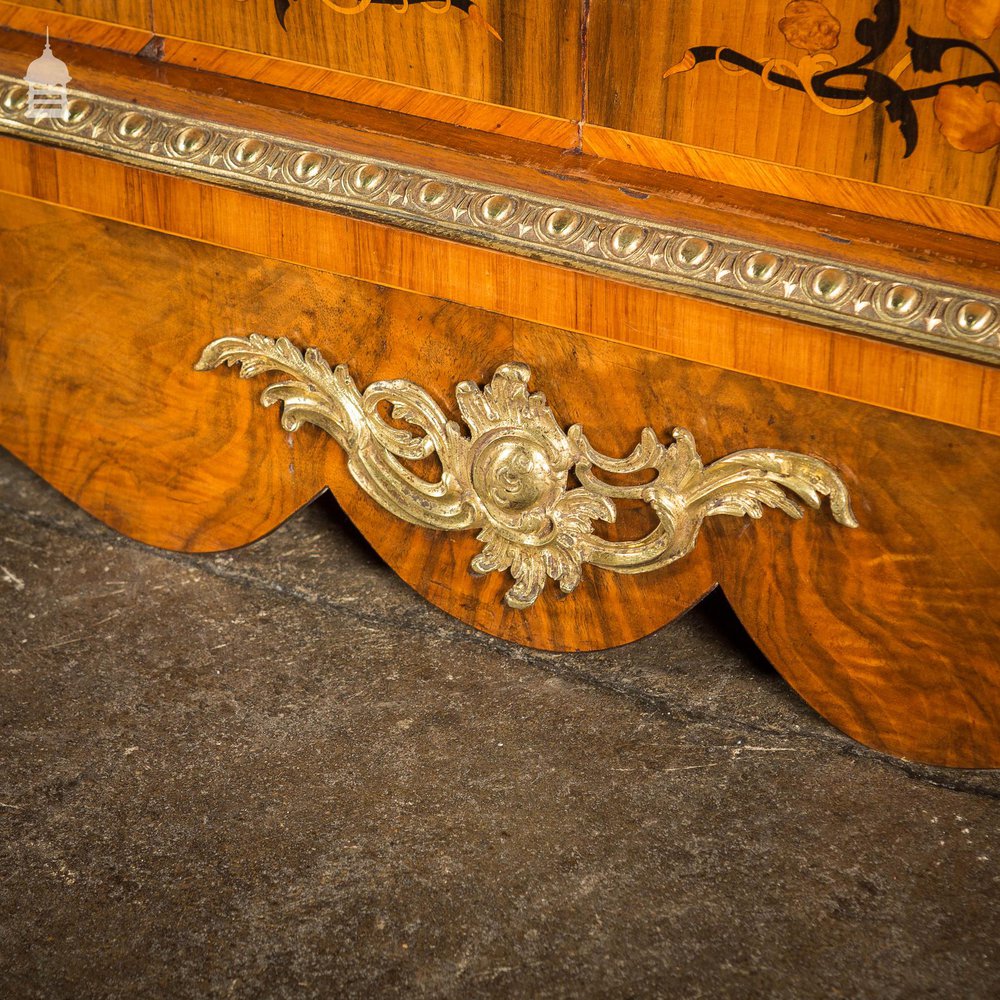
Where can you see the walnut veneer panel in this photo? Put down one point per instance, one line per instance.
(712, 108)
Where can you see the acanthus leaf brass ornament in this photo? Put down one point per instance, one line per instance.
(508, 475)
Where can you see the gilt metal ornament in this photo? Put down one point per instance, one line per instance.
(507, 473)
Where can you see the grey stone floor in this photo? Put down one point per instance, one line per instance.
(279, 773)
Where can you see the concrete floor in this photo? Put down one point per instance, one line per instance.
(280, 773)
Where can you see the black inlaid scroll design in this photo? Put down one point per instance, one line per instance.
(857, 81)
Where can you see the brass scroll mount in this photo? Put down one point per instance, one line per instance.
(507, 473)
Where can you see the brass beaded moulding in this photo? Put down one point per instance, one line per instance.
(901, 308)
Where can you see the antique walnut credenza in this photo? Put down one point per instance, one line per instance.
(557, 298)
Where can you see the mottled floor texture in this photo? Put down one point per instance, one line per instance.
(280, 773)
